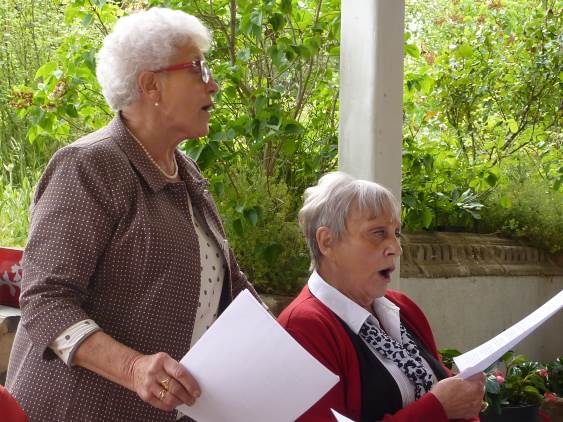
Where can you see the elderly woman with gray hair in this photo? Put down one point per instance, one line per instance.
(376, 340)
(127, 263)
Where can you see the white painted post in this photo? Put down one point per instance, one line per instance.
(371, 91)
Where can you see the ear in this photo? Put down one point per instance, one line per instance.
(325, 240)
(149, 86)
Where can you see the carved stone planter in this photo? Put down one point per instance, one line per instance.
(443, 255)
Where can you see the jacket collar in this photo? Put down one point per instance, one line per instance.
(196, 184)
(137, 156)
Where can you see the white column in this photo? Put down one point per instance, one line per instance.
(371, 91)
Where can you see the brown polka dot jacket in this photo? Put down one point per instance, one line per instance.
(110, 239)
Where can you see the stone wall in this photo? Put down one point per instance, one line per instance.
(473, 287)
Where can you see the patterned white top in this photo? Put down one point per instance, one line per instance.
(212, 274)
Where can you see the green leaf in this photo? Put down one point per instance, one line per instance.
(70, 109)
(193, 150)
(412, 50)
(507, 357)
(285, 6)
(32, 133)
(465, 50)
(505, 202)
(313, 44)
(531, 390)
(251, 215)
(289, 146)
(491, 385)
(272, 252)
(47, 69)
(243, 55)
(87, 19)
(427, 217)
(491, 179)
(513, 125)
(277, 20)
(518, 360)
(237, 226)
(219, 188)
(334, 51)
(293, 128)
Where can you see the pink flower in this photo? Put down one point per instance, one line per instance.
(499, 377)
(549, 396)
(543, 372)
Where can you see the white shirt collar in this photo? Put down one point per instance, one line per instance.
(353, 314)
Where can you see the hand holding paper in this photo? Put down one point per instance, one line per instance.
(250, 369)
(483, 356)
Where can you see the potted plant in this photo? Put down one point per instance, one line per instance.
(517, 387)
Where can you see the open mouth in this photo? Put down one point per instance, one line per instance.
(386, 272)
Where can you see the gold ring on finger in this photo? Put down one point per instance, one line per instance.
(165, 384)
(162, 394)
(484, 405)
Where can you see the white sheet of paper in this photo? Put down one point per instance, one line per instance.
(483, 356)
(250, 369)
(339, 417)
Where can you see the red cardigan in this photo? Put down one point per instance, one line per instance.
(320, 332)
(10, 410)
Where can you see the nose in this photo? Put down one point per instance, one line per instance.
(394, 247)
(212, 86)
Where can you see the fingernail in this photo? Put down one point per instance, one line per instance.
(197, 393)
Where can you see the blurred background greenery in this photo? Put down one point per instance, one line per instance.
(482, 115)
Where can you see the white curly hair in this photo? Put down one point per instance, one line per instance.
(145, 40)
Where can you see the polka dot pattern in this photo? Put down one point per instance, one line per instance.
(212, 275)
(112, 240)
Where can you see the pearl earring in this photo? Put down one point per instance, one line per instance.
(156, 104)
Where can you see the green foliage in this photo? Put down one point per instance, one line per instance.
(522, 206)
(27, 39)
(276, 65)
(448, 356)
(262, 228)
(15, 204)
(555, 376)
(482, 92)
(520, 382)
(482, 99)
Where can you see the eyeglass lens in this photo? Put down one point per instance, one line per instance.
(205, 72)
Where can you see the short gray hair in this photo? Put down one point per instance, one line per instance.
(145, 40)
(328, 204)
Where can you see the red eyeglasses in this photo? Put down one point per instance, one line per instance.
(201, 65)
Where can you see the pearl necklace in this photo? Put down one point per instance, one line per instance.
(168, 176)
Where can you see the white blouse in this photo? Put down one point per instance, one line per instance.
(388, 317)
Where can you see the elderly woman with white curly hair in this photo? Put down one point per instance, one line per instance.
(376, 340)
(127, 263)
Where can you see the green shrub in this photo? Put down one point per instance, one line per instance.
(14, 210)
(524, 207)
(261, 225)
